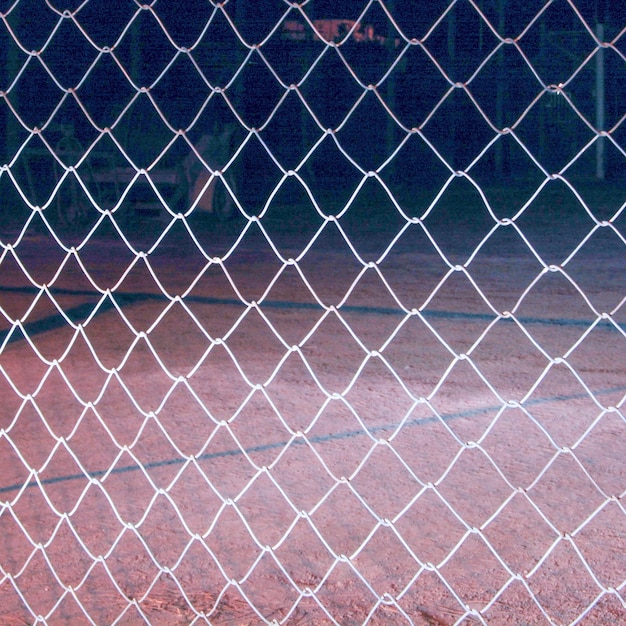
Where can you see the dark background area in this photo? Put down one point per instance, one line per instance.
(200, 67)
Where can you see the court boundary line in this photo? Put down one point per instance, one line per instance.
(84, 310)
(348, 434)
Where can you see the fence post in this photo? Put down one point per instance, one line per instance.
(500, 92)
(600, 96)
(452, 121)
(391, 90)
(11, 63)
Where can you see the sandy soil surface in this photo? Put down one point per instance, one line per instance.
(318, 436)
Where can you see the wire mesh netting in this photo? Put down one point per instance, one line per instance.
(312, 312)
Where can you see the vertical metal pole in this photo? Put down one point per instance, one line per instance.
(135, 54)
(500, 92)
(391, 89)
(543, 121)
(453, 62)
(600, 104)
(451, 33)
(12, 62)
(239, 93)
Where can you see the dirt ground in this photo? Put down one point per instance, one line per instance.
(273, 423)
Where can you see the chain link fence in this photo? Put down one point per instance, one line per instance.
(312, 312)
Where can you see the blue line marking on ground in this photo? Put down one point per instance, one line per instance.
(348, 434)
(81, 312)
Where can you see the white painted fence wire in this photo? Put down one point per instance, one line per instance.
(312, 312)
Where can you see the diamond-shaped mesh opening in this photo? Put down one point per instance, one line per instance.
(331, 89)
(552, 110)
(106, 73)
(415, 67)
(69, 41)
(466, 128)
(505, 72)
(256, 77)
(291, 116)
(312, 312)
(142, 133)
(41, 95)
(219, 52)
(459, 57)
(561, 54)
(181, 78)
(538, 223)
(369, 113)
